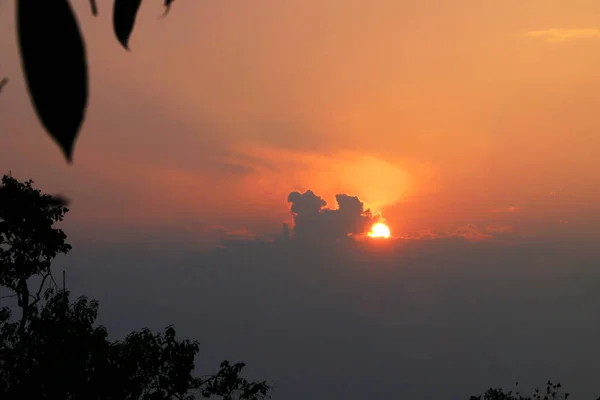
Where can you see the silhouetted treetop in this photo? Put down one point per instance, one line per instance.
(56, 350)
(552, 392)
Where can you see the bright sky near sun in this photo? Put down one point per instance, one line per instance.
(380, 230)
(437, 113)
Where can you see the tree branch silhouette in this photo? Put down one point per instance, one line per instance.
(56, 349)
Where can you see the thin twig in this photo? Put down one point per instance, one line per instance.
(8, 296)
(53, 281)
(37, 296)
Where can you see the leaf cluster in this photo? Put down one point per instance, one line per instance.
(56, 350)
(63, 355)
(54, 61)
(551, 392)
(29, 241)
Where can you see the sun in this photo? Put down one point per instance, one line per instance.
(379, 230)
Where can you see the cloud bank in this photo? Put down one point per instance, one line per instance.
(314, 221)
(564, 35)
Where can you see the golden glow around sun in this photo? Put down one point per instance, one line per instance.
(379, 230)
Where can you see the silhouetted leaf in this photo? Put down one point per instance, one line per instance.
(3, 82)
(55, 67)
(94, 7)
(167, 4)
(124, 15)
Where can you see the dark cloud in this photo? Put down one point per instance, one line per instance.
(501, 231)
(469, 232)
(472, 232)
(234, 169)
(509, 209)
(314, 221)
(240, 164)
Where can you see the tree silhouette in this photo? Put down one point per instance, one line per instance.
(54, 61)
(55, 350)
(552, 391)
(28, 240)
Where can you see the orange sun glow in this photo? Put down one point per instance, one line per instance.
(379, 230)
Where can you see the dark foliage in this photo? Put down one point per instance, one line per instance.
(124, 15)
(54, 61)
(552, 391)
(28, 240)
(64, 355)
(55, 350)
(55, 66)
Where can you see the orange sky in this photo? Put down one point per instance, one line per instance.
(437, 113)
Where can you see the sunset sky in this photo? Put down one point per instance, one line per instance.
(474, 120)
